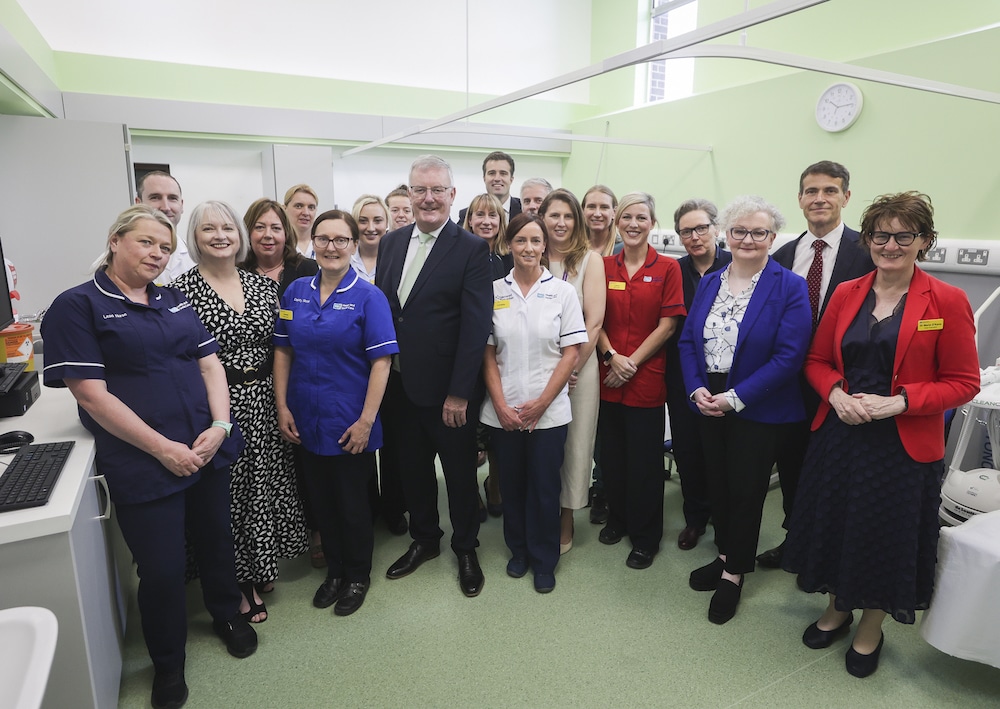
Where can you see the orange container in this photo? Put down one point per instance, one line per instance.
(18, 345)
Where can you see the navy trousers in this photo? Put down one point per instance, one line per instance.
(154, 532)
(529, 466)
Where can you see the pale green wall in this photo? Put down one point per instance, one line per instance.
(14, 20)
(763, 134)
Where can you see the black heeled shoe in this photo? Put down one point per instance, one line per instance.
(255, 608)
(863, 665)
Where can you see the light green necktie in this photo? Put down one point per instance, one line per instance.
(411, 274)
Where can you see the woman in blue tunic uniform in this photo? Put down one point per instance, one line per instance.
(153, 393)
(333, 342)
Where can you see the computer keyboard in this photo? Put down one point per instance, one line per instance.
(31, 475)
(9, 372)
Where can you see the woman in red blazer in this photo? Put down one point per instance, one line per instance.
(893, 352)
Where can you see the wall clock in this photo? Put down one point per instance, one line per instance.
(839, 107)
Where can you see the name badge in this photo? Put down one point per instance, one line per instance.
(501, 304)
(285, 314)
(935, 324)
(616, 285)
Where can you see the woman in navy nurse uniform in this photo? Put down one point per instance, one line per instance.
(333, 342)
(152, 391)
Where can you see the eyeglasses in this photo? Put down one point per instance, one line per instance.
(739, 233)
(422, 191)
(700, 230)
(341, 242)
(903, 238)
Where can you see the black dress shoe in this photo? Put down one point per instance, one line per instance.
(599, 508)
(818, 639)
(418, 553)
(771, 559)
(327, 593)
(688, 538)
(170, 691)
(240, 638)
(863, 665)
(398, 526)
(610, 535)
(351, 598)
(639, 559)
(706, 578)
(470, 576)
(723, 605)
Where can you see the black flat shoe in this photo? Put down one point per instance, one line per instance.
(818, 639)
(706, 578)
(327, 593)
(727, 597)
(169, 690)
(609, 535)
(863, 665)
(640, 559)
(771, 559)
(517, 567)
(239, 637)
(351, 598)
(688, 538)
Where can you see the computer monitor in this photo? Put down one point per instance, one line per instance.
(6, 307)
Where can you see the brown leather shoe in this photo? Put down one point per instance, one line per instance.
(688, 538)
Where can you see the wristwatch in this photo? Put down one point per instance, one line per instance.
(225, 426)
(608, 355)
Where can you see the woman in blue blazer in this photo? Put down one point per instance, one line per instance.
(741, 349)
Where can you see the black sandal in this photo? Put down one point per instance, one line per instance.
(255, 608)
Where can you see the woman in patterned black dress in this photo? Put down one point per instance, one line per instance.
(238, 308)
(895, 349)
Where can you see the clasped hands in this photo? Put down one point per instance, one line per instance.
(710, 404)
(183, 461)
(620, 370)
(855, 409)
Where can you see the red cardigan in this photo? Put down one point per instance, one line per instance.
(936, 361)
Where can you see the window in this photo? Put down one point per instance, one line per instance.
(674, 78)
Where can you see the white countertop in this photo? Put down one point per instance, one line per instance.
(52, 418)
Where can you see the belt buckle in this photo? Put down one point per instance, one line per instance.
(250, 374)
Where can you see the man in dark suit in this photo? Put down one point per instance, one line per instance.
(437, 279)
(824, 190)
(498, 175)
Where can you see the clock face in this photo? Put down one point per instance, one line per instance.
(838, 107)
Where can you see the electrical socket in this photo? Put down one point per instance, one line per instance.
(974, 257)
(938, 255)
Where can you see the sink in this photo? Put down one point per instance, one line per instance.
(27, 644)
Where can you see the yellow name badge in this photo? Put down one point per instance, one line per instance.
(501, 304)
(925, 325)
(285, 314)
(616, 285)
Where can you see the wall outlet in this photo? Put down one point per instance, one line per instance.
(938, 255)
(974, 257)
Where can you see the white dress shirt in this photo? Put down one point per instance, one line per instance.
(804, 256)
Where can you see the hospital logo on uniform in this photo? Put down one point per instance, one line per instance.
(343, 306)
(547, 296)
(179, 307)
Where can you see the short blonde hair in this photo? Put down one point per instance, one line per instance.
(363, 201)
(300, 188)
(126, 222)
